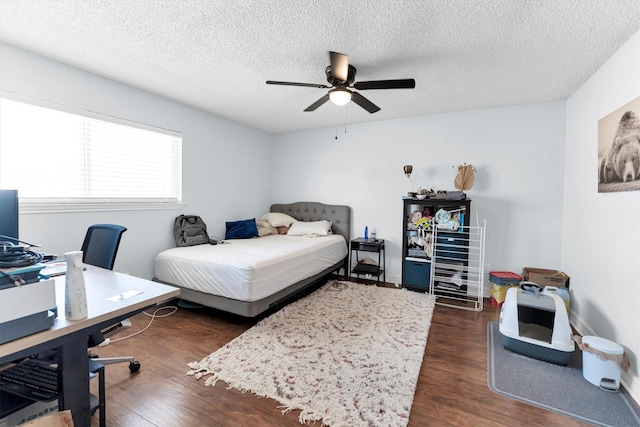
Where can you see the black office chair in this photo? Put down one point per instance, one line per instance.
(100, 248)
(101, 243)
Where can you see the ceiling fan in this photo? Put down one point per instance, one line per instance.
(341, 76)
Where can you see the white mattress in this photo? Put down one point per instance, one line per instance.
(249, 269)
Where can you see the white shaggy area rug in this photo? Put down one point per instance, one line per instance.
(347, 355)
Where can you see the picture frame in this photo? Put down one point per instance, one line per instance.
(619, 149)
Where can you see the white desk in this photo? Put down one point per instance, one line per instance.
(70, 337)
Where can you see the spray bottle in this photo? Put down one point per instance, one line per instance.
(75, 295)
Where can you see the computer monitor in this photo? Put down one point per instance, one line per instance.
(9, 215)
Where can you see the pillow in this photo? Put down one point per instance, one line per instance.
(265, 229)
(314, 228)
(277, 219)
(244, 229)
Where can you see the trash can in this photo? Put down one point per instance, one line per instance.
(603, 373)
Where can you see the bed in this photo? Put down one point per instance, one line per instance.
(249, 276)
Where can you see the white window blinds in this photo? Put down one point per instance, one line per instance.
(60, 156)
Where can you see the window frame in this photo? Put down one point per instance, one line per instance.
(99, 204)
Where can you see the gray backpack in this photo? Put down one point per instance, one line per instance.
(190, 230)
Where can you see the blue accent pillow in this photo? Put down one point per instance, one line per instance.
(244, 229)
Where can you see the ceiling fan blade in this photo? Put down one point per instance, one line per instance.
(318, 103)
(386, 84)
(364, 102)
(339, 66)
(317, 85)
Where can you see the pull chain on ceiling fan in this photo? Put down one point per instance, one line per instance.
(341, 76)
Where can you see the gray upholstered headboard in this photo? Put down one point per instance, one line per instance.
(339, 215)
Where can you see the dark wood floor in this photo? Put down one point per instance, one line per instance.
(452, 388)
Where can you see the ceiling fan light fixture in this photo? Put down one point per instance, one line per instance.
(341, 75)
(340, 96)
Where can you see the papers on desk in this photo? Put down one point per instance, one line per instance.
(54, 269)
(124, 296)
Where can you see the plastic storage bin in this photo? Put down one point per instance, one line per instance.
(499, 282)
(451, 246)
(603, 373)
(417, 274)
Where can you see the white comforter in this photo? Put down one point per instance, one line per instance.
(249, 269)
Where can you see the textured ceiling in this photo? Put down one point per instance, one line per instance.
(217, 55)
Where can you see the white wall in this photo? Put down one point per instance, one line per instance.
(226, 165)
(601, 231)
(518, 151)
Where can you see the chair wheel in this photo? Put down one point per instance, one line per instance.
(134, 366)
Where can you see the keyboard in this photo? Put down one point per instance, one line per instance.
(33, 379)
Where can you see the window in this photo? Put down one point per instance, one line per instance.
(59, 159)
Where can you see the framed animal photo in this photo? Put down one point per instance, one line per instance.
(619, 149)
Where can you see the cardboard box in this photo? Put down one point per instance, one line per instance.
(545, 277)
(32, 412)
(59, 419)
